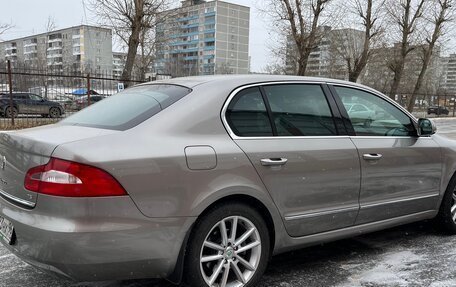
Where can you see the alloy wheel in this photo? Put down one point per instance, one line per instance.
(54, 113)
(231, 252)
(453, 206)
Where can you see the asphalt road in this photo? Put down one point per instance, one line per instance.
(413, 255)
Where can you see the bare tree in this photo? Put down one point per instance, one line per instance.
(129, 19)
(303, 26)
(442, 13)
(369, 14)
(5, 27)
(405, 14)
(146, 55)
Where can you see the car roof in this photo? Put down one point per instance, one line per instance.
(242, 80)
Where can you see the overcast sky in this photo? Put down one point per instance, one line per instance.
(30, 16)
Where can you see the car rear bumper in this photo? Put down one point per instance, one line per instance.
(95, 239)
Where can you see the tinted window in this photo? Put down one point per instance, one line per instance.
(128, 108)
(300, 110)
(247, 114)
(20, 96)
(35, 97)
(378, 118)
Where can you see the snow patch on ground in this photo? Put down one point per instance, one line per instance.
(448, 283)
(393, 269)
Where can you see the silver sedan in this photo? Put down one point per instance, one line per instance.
(203, 179)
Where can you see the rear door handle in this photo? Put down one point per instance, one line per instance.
(273, 161)
(372, 156)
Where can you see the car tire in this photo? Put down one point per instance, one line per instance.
(54, 112)
(216, 259)
(447, 212)
(9, 112)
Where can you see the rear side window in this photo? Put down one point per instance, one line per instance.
(300, 110)
(247, 114)
(128, 108)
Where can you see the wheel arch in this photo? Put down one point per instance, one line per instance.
(253, 202)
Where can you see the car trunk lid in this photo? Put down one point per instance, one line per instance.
(22, 150)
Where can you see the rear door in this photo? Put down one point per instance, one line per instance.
(400, 171)
(22, 101)
(299, 149)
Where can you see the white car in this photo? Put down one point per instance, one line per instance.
(360, 114)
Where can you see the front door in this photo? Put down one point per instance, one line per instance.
(400, 171)
(38, 105)
(311, 171)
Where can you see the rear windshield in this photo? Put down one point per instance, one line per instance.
(128, 108)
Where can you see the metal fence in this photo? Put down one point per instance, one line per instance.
(33, 92)
(440, 104)
(75, 91)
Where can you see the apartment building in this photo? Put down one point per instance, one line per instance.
(448, 75)
(328, 59)
(203, 38)
(75, 49)
(118, 64)
(379, 75)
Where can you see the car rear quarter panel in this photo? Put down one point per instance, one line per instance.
(149, 160)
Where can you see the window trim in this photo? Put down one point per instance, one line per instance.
(377, 94)
(329, 99)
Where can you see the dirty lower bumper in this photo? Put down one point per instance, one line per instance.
(95, 239)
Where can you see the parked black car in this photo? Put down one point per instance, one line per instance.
(28, 103)
(438, 110)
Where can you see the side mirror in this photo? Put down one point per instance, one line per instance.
(426, 127)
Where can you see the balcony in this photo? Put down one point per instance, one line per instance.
(55, 40)
(30, 45)
(187, 18)
(192, 42)
(188, 50)
(191, 58)
(54, 56)
(193, 25)
(54, 48)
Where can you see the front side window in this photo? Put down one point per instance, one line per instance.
(35, 97)
(371, 115)
(247, 114)
(300, 110)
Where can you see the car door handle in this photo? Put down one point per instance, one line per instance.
(273, 161)
(372, 156)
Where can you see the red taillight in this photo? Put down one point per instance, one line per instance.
(70, 179)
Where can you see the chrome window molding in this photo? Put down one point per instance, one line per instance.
(354, 86)
(236, 91)
(378, 94)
